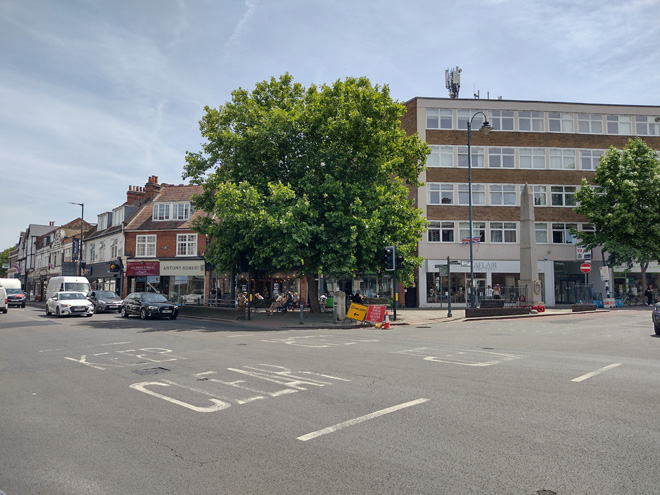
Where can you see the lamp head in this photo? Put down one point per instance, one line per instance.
(486, 127)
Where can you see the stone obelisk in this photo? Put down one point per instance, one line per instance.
(529, 272)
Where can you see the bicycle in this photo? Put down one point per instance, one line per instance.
(631, 300)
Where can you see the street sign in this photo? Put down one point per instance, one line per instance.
(357, 312)
(585, 267)
(582, 253)
(441, 270)
(604, 273)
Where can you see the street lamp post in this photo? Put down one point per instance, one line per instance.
(485, 128)
(80, 246)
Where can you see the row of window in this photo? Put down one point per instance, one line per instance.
(529, 121)
(525, 158)
(145, 245)
(438, 193)
(171, 211)
(503, 232)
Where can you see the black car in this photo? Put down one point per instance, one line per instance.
(15, 297)
(656, 317)
(104, 300)
(148, 305)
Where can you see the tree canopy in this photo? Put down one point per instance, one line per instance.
(4, 259)
(624, 206)
(312, 179)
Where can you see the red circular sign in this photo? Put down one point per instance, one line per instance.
(585, 267)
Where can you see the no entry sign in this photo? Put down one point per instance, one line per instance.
(585, 267)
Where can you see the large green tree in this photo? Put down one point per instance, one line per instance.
(4, 260)
(312, 179)
(624, 206)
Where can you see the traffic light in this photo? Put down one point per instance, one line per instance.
(389, 258)
(399, 262)
(116, 266)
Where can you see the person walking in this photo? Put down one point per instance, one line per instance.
(649, 295)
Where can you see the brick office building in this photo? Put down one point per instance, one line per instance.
(162, 252)
(550, 146)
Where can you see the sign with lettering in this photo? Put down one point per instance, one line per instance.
(142, 268)
(357, 312)
(376, 313)
(182, 267)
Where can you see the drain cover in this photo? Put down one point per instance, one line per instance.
(151, 371)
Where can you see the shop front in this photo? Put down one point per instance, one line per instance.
(181, 281)
(101, 278)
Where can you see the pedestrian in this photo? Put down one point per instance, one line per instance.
(357, 297)
(489, 292)
(496, 292)
(649, 295)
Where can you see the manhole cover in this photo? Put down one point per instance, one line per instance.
(151, 371)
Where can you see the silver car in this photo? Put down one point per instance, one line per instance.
(69, 303)
(105, 300)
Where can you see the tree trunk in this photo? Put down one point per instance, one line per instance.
(643, 267)
(313, 291)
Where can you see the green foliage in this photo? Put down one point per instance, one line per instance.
(310, 178)
(624, 206)
(4, 259)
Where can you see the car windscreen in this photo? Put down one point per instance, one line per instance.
(76, 287)
(71, 295)
(105, 293)
(15, 291)
(153, 298)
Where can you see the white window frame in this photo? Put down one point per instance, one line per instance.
(541, 232)
(478, 194)
(502, 194)
(186, 245)
(505, 157)
(503, 232)
(181, 211)
(562, 158)
(590, 123)
(619, 124)
(502, 120)
(540, 194)
(562, 230)
(536, 156)
(477, 157)
(562, 122)
(441, 157)
(442, 191)
(647, 126)
(590, 159)
(478, 228)
(567, 195)
(443, 118)
(145, 246)
(464, 116)
(531, 121)
(162, 211)
(443, 231)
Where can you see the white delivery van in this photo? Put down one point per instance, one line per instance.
(15, 295)
(10, 283)
(67, 284)
(3, 299)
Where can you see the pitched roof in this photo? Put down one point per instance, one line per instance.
(143, 219)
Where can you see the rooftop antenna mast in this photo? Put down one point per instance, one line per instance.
(453, 81)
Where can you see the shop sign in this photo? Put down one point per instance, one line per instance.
(142, 268)
(182, 267)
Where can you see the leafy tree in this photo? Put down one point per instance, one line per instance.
(4, 259)
(308, 179)
(624, 206)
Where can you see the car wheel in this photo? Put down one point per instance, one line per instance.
(23, 305)
(47, 310)
(4, 310)
(57, 312)
(143, 314)
(123, 312)
(173, 317)
(657, 329)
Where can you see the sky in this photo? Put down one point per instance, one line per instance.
(99, 95)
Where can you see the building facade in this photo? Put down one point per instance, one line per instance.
(550, 146)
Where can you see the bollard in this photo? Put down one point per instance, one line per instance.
(301, 312)
(334, 312)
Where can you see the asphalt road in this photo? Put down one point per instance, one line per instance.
(105, 405)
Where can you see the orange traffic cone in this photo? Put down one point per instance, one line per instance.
(387, 321)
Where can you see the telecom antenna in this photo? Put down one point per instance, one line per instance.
(453, 81)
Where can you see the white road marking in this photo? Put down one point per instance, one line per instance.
(594, 373)
(241, 335)
(351, 422)
(463, 357)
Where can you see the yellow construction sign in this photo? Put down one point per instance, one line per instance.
(357, 312)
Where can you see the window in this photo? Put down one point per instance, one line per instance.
(186, 244)
(478, 194)
(647, 126)
(478, 229)
(561, 233)
(531, 157)
(540, 195)
(464, 117)
(441, 232)
(561, 122)
(181, 211)
(441, 156)
(619, 124)
(476, 156)
(541, 233)
(563, 195)
(562, 159)
(439, 119)
(589, 159)
(530, 121)
(145, 246)
(161, 211)
(114, 249)
(502, 194)
(590, 123)
(92, 252)
(440, 194)
(503, 232)
(501, 158)
(501, 120)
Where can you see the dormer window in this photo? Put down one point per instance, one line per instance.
(171, 211)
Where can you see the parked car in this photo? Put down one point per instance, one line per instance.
(3, 299)
(195, 297)
(104, 300)
(69, 303)
(656, 317)
(148, 305)
(16, 297)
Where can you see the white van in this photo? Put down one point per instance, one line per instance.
(10, 283)
(67, 284)
(3, 299)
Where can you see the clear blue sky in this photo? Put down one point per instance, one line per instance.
(97, 95)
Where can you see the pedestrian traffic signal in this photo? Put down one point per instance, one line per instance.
(389, 258)
(399, 262)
